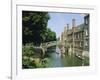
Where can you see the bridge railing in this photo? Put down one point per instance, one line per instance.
(48, 44)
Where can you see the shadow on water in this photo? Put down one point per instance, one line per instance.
(57, 60)
(50, 51)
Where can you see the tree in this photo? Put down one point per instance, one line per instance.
(34, 26)
(50, 35)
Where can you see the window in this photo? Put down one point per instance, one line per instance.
(86, 43)
(81, 44)
(86, 21)
(86, 32)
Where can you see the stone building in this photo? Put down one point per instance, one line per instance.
(63, 40)
(76, 39)
(86, 35)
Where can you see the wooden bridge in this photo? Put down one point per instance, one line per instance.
(45, 46)
(48, 44)
(40, 50)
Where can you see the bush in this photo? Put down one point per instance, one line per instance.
(27, 52)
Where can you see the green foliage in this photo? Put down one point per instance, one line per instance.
(50, 35)
(29, 59)
(34, 32)
(35, 28)
(28, 50)
(27, 54)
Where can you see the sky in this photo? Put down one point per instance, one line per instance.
(58, 21)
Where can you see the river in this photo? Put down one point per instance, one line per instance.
(56, 59)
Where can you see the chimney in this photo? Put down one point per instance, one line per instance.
(73, 24)
(73, 29)
(67, 26)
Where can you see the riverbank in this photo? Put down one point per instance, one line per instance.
(53, 58)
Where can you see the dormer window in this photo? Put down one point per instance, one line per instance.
(86, 21)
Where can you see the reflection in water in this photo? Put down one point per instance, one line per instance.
(56, 59)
